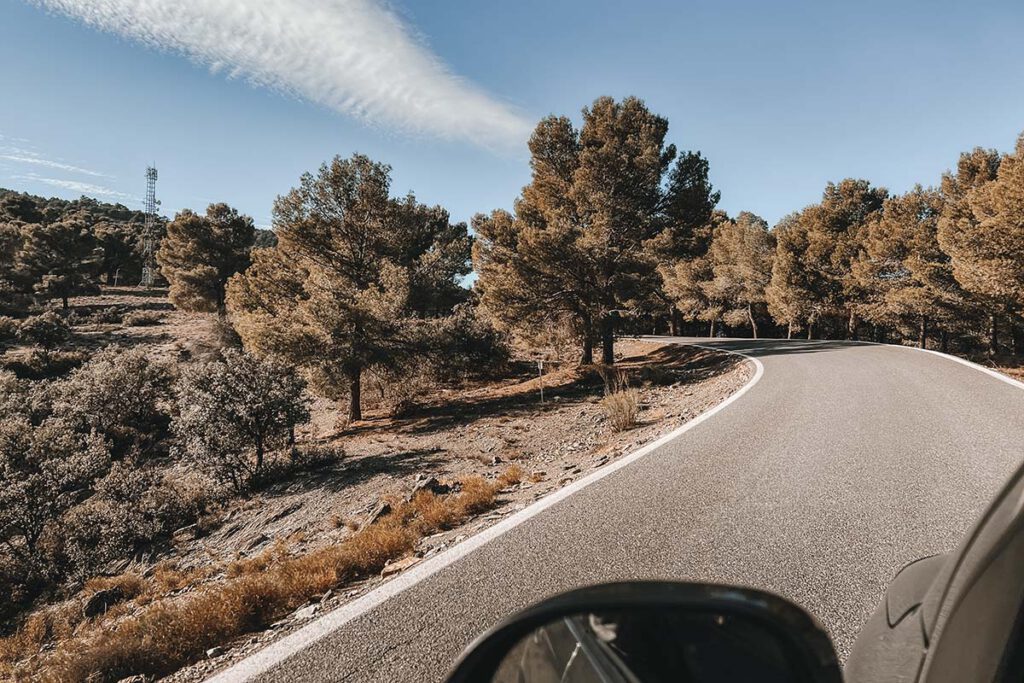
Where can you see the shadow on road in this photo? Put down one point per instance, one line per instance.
(760, 348)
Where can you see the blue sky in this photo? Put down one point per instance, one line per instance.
(234, 99)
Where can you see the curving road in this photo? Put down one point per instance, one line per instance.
(842, 463)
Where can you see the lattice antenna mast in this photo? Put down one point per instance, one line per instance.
(149, 231)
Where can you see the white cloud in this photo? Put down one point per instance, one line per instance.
(23, 157)
(355, 56)
(78, 187)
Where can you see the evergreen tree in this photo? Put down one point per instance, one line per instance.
(982, 228)
(740, 257)
(576, 246)
(200, 253)
(61, 259)
(335, 294)
(906, 277)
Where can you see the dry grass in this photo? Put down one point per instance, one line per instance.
(622, 408)
(512, 475)
(170, 633)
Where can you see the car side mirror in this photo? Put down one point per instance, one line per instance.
(654, 632)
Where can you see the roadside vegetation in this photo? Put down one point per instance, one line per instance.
(312, 370)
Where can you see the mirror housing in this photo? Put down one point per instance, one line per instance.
(795, 636)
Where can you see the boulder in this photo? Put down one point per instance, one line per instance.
(429, 484)
(305, 612)
(399, 565)
(382, 509)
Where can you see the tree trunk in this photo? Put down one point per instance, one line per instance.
(607, 340)
(712, 332)
(993, 339)
(355, 408)
(922, 335)
(257, 472)
(810, 329)
(675, 319)
(789, 331)
(753, 323)
(851, 327)
(64, 300)
(944, 341)
(1016, 337)
(588, 349)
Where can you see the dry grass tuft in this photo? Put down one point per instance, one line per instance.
(512, 475)
(168, 634)
(621, 408)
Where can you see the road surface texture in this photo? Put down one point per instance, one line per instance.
(844, 462)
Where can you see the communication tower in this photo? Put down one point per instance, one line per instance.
(149, 231)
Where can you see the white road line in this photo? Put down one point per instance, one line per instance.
(281, 650)
(962, 361)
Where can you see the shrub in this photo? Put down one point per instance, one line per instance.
(132, 508)
(621, 408)
(142, 318)
(464, 345)
(45, 331)
(170, 633)
(45, 470)
(8, 329)
(42, 364)
(121, 394)
(112, 315)
(231, 412)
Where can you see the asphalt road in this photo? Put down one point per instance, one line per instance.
(843, 463)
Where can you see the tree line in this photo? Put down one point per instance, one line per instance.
(616, 232)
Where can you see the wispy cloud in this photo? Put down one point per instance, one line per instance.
(28, 158)
(79, 187)
(355, 56)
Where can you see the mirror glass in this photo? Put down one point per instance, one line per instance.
(649, 646)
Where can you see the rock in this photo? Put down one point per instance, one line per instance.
(137, 678)
(429, 484)
(255, 543)
(185, 533)
(399, 565)
(496, 460)
(382, 509)
(100, 601)
(214, 652)
(326, 596)
(305, 613)
(460, 538)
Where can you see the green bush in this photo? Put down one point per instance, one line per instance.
(45, 331)
(121, 394)
(143, 318)
(42, 364)
(233, 411)
(8, 329)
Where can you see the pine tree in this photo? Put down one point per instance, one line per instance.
(789, 295)
(740, 257)
(335, 294)
(60, 259)
(200, 253)
(906, 277)
(957, 226)
(578, 237)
